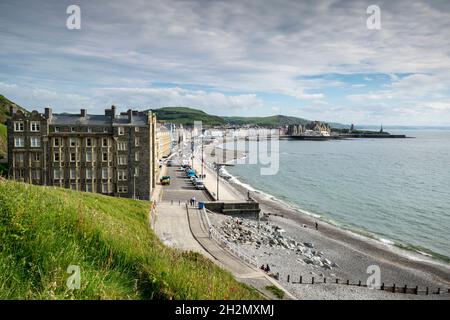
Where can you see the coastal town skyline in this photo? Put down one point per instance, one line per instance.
(312, 60)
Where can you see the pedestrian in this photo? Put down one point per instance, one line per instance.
(317, 226)
(193, 200)
(267, 268)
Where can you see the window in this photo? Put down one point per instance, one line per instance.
(122, 175)
(122, 146)
(20, 174)
(136, 156)
(89, 142)
(19, 142)
(73, 173)
(18, 126)
(35, 142)
(57, 174)
(35, 126)
(56, 129)
(73, 142)
(73, 129)
(88, 156)
(73, 186)
(36, 174)
(88, 173)
(136, 142)
(105, 173)
(19, 157)
(73, 157)
(89, 129)
(105, 156)
(122, 189)
(105, 142)
(88, 187)
(121, 131)
(104, 188)
(136, 129)
(105, 130)
(136, 171)
(122, 160)
(36, 157)
(57, 142)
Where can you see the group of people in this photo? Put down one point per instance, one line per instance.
(265, 268)
(192, 201)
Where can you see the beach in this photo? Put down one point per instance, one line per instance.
(350, 252)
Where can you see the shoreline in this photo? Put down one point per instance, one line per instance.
(354, 252)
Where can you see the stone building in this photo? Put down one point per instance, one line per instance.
(110, 153)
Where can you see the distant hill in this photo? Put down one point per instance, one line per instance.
(274, 121)
(186, 116)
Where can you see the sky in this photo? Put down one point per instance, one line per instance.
(312, 59)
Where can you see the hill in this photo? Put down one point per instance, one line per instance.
(4, 108)
(274, 121)
(3, 139)
(186, 116)
(44, 230)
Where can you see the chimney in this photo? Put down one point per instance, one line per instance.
(113, 111)
(130, 115)
(48, 113)
(12, 110)
(83, 113)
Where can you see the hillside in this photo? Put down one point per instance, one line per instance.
(274, 121)
(3, 143)
(186, 116)
(43, 230)
(4, 108)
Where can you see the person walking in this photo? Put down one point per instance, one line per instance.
(317, 226)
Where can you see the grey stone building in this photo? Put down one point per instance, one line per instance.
(111, 153)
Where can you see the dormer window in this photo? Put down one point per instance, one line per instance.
(121, 131)
(73, 129)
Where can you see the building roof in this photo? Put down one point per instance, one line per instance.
(97, 120)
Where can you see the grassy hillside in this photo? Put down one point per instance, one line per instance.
(3, 143)
(274, 121)
(4, 108)
(186, 116)
(43, 230)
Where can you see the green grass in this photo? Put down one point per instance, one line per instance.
(277, 292)
(3, 139)
(186, 116)
(43, 230)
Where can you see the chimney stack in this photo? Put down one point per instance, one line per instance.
(113, 111)
(83, 113)
(48, 113)
(130, 115)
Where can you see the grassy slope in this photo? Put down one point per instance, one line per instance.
(3, 144)
(274, 121)
(43, 230)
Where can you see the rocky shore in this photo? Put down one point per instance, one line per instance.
(288, 241)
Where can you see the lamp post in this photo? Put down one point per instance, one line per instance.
(202, 158)
(217, 173)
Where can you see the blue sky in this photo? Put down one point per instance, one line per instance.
(312, 59)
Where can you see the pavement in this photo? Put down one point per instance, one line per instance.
(181, 227)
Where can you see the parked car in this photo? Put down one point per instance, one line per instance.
(199, 184)
(165, 180)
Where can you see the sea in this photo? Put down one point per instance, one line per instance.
(394, 190)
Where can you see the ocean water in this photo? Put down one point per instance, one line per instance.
(396, 190)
